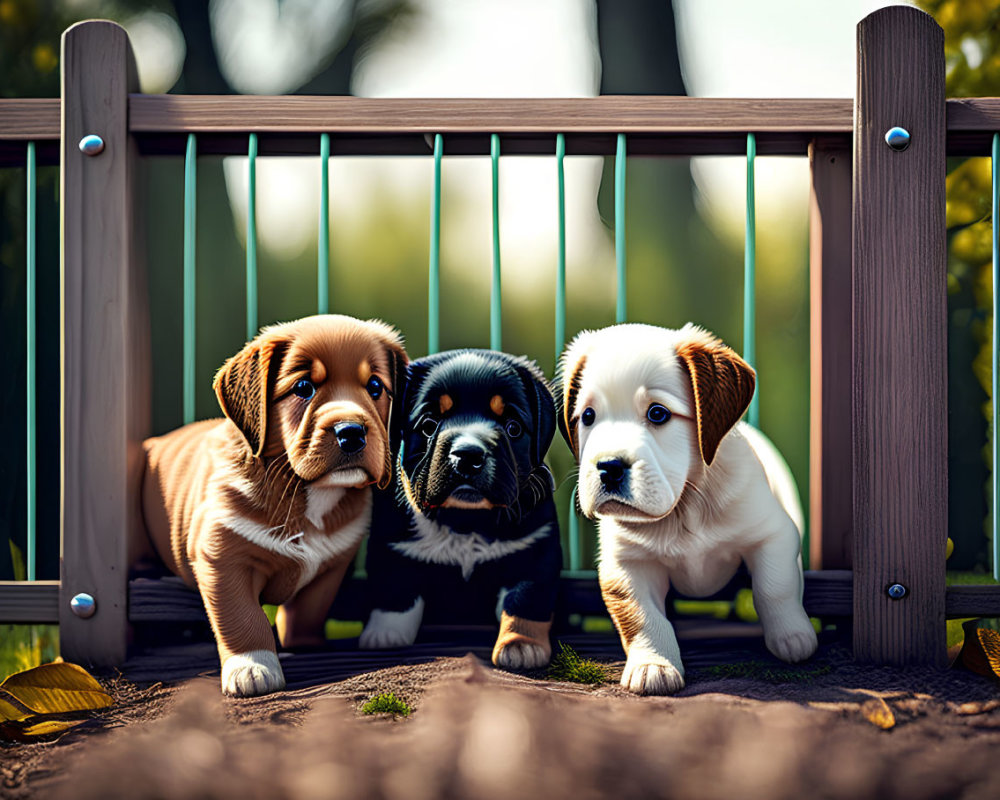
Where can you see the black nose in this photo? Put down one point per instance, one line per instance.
(611, 473)
(350, 436)
(467, 459)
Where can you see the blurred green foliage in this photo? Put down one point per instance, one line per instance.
(972, 57)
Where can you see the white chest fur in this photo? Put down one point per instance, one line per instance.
(312, 547)
(438, 544)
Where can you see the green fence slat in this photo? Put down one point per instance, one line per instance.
(749, 282)
(620, 162)
(434, 268)
(996, 352)
(323, 259)
(495, 311)
(561, 258)
(30, 281)
(252, 238)
(190, 240)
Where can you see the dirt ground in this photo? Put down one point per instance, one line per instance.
(477, 732)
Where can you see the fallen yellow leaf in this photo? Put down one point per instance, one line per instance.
(54, 689)
(878, 713)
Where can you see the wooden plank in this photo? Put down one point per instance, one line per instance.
(830, 515)
(827, 593)
(167, 113)
(971, 121)
(25, 119)
(900, 379)
(105, 380)
(972, 601)
(29, 602)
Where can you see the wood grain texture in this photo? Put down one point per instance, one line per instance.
(900, 402)
(972, 601)
(25, 119)
(29, 602)
(827, 593)
(105, 383)
(830, 515)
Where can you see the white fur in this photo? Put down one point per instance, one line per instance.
(312, 547)
(252, 674)
(389, 629)
(438, 544)
(685, 523)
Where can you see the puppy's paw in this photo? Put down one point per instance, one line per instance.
(792, 645)
(390, 629)
(251, 674)
(521, 655)
(652, 679)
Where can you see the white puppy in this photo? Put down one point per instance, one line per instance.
(681, 492)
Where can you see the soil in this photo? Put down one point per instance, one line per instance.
(838, 730)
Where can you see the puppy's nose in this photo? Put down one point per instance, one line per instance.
(467, 459)
(611, 473)
(350, 436)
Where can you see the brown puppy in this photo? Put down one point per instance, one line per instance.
(270, 504)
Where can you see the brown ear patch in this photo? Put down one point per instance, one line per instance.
(497, 405)
(723, 385)
(243, 387)
(571, 388)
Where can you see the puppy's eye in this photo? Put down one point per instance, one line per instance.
(513, 428)
(658, 414)
(375, 387)
(588, 416)
(304, 389)
(428, 426)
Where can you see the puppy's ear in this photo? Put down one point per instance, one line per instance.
(567, 387)
(723, 385)
(397, 359)
(244, 385)
(543, 404)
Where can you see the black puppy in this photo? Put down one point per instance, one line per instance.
(472, 530)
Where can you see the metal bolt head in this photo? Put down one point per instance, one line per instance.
(896, 591)
(91, 145)
(897, 138)
(83, 605)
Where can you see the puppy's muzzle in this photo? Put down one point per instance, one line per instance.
(612, 473)
(351, 436)
(467, 457)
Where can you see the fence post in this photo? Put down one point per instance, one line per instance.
(105, 373)
(830, 358)
(900, 377)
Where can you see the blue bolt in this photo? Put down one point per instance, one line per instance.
(897, 591)
(897, 138)
(83, 605)
(91, 145)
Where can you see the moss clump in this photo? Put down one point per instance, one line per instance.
(386, 703)
(762, 671)
(568, 666)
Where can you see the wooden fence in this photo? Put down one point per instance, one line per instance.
(878, 494)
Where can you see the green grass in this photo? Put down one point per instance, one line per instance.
(568, 666)
(25, 646)
(386, 703)
(762, 671)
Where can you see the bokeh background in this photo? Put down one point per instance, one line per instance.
(685, 217)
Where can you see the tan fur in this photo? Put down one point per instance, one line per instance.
(723, 385)
(445, 403)
(227, 502)
(497, 405)
(624, 609)
(518, 633)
